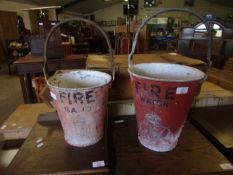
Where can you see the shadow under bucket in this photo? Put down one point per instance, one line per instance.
(80, 98)
(163, 94)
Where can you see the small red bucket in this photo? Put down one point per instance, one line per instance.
(163, 94)
(80, 97)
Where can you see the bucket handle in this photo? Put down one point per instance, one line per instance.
(88, 22)
(130, 56)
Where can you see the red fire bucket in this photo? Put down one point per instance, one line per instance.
(163, 94)
(80, 97)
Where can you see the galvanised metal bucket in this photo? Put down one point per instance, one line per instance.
(80, 97)
(163, 94)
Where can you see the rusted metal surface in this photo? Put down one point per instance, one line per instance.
(81, 101)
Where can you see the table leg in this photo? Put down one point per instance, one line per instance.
(26, 86)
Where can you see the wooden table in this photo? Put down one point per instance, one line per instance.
(29, 65)
(100, 61)
(194, 154)
(222, 77)
(20, 123)
(216, 123)
(121, 152)
(121, 88)
(26, 66)
(15, 53)
(55, 156)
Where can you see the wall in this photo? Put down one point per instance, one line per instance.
(204, 7)
(200, 6)
(66, 14)
(115, 11)
(18, 8)
(111, 13)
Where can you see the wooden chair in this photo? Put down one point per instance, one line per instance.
(9, 58)
(125, 44)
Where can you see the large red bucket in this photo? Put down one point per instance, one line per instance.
(80, 97)
(163, 94)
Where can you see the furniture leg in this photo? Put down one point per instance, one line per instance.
(9, 68)
(26, 86)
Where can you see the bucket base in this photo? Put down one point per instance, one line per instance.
(79, 144)
(161, 148)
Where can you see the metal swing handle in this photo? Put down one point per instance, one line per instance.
(130, 56)
(88, 22)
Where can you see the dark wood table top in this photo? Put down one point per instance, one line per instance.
(34, 64)
(56, 156)
(194, 154)
(217, 123)
(28, 59)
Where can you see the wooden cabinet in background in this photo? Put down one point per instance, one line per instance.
(2, 45)
(8, 21)
(8, 31)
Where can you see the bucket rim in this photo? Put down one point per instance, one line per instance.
(131, 72)
(81, 88)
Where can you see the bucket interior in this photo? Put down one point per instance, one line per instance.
(79, 79)
(166, 72)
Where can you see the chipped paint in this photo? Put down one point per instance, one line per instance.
(81, 104)
(163, 94)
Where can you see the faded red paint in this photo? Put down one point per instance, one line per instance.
(82, 114)
(160, 111)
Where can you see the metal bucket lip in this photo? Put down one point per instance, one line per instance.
(132, 72)
(109, 79)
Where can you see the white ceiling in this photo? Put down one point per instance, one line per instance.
(79, 6)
